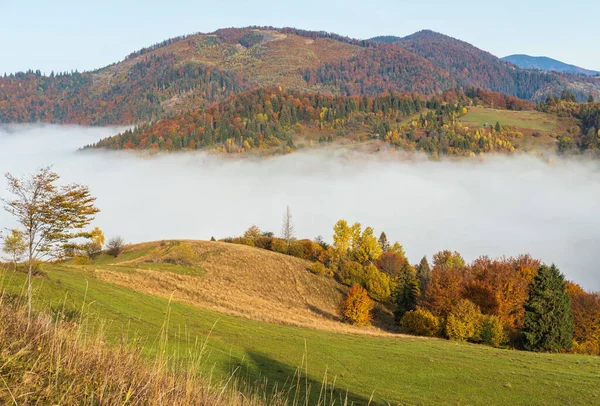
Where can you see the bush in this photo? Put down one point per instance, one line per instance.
(296, 249)
(279, 245)
(352, 273)
(492, 331)
(377, 283)
(420, 322)
(318, 268)
(464, 321)
(115, 246)
(182, 254)
(357, 306)
(81, 260)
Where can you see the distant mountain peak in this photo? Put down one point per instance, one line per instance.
(547, 64)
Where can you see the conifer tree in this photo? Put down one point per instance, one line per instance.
(548, 324)
(383, 242)
(423, 274)
(407, 298)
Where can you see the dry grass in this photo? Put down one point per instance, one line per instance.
(241, 281)
(42, 362)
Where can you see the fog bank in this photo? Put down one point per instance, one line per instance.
(501, 206)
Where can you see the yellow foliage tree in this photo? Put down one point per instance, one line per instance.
(368, 249)
(342, 238)
(356, 308)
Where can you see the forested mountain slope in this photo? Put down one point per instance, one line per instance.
(188, 72)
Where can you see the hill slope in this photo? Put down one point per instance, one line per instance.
(390, 369)
(197, 70)
(477, 68)
(229, 278)
(547, 64)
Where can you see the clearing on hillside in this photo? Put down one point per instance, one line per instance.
(523, 120)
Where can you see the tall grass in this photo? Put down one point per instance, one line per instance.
(63, 360)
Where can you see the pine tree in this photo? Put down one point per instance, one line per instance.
(407, 297)
(498, 127)
(384, 243)
(423, 274)
(548, 324)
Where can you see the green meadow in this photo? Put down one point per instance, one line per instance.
(388, 370)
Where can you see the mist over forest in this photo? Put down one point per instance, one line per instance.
(503, 205)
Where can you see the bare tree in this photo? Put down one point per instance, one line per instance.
(287, 228)
(50, 216)
(115, 246)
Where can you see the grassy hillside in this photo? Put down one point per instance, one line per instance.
(229, 278)
(392, 369)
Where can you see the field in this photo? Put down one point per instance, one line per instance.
(528, 120)
(389, 368)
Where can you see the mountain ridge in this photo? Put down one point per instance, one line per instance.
(192, 71)
(545, 63)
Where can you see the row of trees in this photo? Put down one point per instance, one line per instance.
(504, 301)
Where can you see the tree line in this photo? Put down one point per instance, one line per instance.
(503, 302)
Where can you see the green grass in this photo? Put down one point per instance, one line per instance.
(395, 370)
(530, 120)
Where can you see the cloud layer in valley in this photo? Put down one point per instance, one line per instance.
(500, 206)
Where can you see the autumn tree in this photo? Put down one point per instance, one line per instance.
(392, 264)
(50, 216)
(464, 321)
(14, 246)
(342, 239)
(445, 289)
(357, 306)
(367, 248)
(548, 324)
(287, 227)
(449, 259)
(94, 246)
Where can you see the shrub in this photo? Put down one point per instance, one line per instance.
(318, 268)
(464, 321)
(352, 273)
(263, 242)
(377, 283)
(420, 322)
(279, 245)
(356, 308)
(296, 249)
(182, 254)
(492, 331)
(81, 260)
(115, 246)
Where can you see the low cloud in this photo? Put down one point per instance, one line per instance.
(497, 206)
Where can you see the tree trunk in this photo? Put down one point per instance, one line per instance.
(29, 277)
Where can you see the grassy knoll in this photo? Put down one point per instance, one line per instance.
(395, 370)
(527, 120)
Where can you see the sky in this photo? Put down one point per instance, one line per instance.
(65, 35)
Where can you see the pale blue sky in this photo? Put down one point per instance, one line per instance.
(63, 35)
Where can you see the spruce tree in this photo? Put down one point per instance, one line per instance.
(407, 297)
(423, 274)
(548, 324)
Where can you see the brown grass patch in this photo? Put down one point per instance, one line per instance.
(241, 281)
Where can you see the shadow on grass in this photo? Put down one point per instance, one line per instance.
(271, 376)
